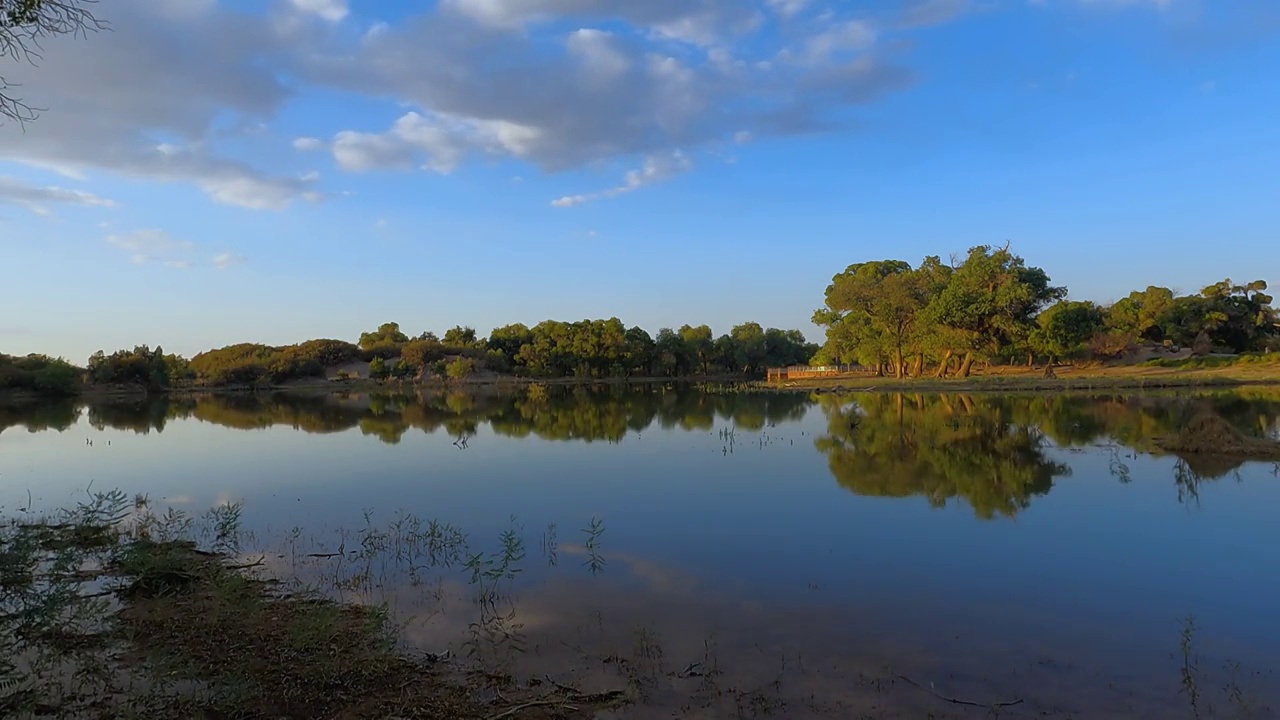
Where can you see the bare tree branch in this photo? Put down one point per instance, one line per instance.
(24, 24)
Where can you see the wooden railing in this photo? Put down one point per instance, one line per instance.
(807, 372)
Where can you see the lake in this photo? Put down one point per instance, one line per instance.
(742, 553)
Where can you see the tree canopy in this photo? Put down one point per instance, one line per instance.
(991, 305)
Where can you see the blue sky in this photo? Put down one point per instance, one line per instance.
(211, 171)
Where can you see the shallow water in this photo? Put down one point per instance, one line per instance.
(755, 553)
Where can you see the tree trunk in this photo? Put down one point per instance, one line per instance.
(942, 366)
(966, 365)
(920, 365)
(1031, 361)
(899, 369)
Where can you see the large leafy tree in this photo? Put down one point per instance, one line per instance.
(874, 313)
(990, 303)
(700, 343)
(387, 333)
(1064, 329)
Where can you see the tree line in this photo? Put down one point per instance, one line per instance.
(587, 349)
(991, 306)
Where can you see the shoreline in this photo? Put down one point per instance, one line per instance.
(1068, 380)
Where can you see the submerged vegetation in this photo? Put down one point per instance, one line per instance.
(113, 609)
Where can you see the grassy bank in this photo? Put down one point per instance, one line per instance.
(1066, 378)
(108, 611)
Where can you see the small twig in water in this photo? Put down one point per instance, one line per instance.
(526, 706)
(259, 563)
(956, 701)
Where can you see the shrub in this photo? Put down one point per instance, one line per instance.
(385, 349)
(421, 353)
(378, 369)
(459, 368)
(39, 373)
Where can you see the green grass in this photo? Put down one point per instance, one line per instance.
(1212, 363)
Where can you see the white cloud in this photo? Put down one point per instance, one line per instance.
(602, 57)
(154, 245)
(788, 8)
(558, 84)
(851, 35)
(655, 169)
(935, 12)
(224, 261)
(330, 10)
(700, 22)
(37, 198)
(475, 88)
(1157, 4)
(436, 142)
(142, 100)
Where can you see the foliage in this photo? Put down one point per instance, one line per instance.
(378, 369)
(385, 335)
(248, 363)
(1065, 328)
(459, 336)
(992, 306)
(39, 374)
(459, 368)
(143, 366)
(607, 348)
(402, 370)
(421, 353)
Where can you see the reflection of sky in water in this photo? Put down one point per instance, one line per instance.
(761, 542)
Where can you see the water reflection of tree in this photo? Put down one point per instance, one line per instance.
(938, 447)
(39, 415)
(140, 415)
(586, 414)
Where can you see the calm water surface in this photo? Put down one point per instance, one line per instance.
(814, 552)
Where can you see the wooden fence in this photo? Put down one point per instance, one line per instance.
(807, 372)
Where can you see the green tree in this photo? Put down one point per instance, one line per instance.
(378, 369)
(509, 340)
(674, 356)
(1143, 315)
(1065, 328)
(990, 303)
(459, 336)
(874, 307)
(386, 334)
(751, 352)
(700, 343)
(459, 368)
(640, 352)
(140, 366)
